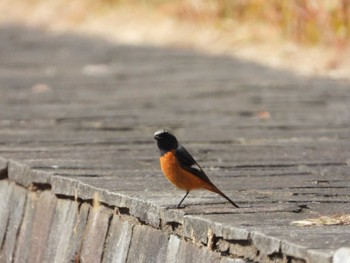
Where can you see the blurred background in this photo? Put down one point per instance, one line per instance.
(306, 36)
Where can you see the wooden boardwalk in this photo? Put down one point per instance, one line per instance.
(81, 112)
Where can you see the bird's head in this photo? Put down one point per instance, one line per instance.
(166, 141)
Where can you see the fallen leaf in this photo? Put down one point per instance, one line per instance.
(40, 88)
(264, 115)
(324, 221)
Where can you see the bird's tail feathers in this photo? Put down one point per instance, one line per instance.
(216, 190)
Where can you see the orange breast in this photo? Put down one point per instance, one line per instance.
(178, 176)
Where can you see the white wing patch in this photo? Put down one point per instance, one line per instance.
(196, 166)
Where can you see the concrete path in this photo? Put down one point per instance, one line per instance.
(77, 117)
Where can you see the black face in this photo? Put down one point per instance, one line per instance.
(165, 141)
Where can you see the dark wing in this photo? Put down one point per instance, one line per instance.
(188, 163)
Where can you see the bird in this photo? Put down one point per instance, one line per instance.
(180, 168)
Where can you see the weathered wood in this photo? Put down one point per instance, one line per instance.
(77, 114)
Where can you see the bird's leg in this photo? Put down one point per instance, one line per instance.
(178, 206)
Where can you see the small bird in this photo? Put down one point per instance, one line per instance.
(180, 168)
